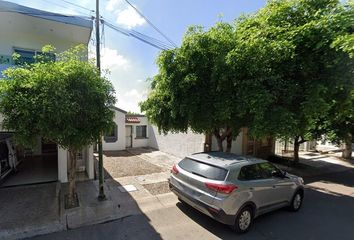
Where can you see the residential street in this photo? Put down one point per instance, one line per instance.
(324, 216)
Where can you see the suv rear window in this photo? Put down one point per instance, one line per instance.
(203, 170)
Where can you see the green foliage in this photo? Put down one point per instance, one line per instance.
(297, 53)
(279, 72)
(192, 87)
(65, 101)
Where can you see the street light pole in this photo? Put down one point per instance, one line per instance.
(101, 195)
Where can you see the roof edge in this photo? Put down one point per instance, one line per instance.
(118, 109)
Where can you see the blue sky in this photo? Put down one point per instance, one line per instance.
(131, 62)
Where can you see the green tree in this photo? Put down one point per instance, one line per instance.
(192, 88)
(340, 118)
(288, 47)
(63, 100)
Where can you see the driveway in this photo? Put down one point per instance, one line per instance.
(123, 164)
(145, 168)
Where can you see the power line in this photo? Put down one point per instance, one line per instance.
(79, 6)
(151, 24)
(65, 7)
(142, 37)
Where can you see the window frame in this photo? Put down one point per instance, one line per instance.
(112, 138)
(254, 179)
(263, 171)
(35, 53)
(136, 132)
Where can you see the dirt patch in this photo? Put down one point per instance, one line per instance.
(157, 188)
(122, 164)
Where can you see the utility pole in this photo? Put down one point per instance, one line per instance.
(101, 195)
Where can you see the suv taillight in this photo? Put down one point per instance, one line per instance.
(174, 169)
(222, 188)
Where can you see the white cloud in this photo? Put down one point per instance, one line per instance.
(129, 18)
(113, 5)
(125, 15)
(111, 60)
(129, 100)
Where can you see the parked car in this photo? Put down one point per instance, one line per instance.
(234, 189)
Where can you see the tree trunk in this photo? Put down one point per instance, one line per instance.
(218, 140)
(72, 179)
(296, 150)
(227, 134)
(208, 142)
(347, 151)
(229, 142)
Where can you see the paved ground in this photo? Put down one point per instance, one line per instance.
(145, 168)
(325, 215)
(22, 211)
(122, 163)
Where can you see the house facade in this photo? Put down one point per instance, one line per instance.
(133, 131)
(130, 131)
(25, 31)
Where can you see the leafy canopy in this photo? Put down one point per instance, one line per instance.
(277, 72)
(63, 100)
(298, 53)
(193, 87)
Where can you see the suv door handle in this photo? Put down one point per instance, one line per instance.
(251, 188)
(274, 186)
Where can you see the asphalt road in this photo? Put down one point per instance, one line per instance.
(323, 216)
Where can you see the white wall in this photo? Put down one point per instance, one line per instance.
(119, 119)
(21, 31)
(62, 165)
(178, 144)
(236, 146)
(90, 163)
(26, 32)
(140, 142)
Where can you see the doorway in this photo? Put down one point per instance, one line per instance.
(128, 136)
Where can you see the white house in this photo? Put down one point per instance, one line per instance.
(133, 131)
(130, 131)
(25, 31)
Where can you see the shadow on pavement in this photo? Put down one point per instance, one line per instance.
(323, 216)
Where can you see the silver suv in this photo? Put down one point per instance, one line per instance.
(234, 189)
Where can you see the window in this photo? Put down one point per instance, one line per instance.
(141, 132)
(25, 56)
(250, 172)
(28, 56)
(112, 136)
(203, 169)
(268, 170)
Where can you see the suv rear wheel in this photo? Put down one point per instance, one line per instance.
(244, 220)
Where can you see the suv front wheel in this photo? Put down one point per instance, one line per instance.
(244, 220)
(296, 201)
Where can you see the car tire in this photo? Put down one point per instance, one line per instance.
(244, 220)
(296, 201)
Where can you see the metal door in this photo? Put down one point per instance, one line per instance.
(128, 136)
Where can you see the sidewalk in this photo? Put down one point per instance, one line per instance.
(313, 164)
(36, 210)
(30, 210)
(119, 203)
